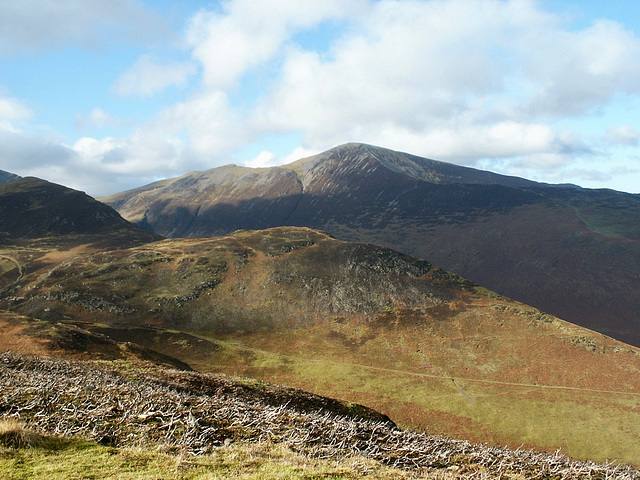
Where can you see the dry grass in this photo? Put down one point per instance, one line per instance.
(189, 412)
(13, 434)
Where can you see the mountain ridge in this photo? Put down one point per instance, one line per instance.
(570, 251)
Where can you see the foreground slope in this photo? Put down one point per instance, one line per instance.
(123, 405)
(360, 322)
(569, 251)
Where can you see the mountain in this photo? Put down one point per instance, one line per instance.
(31, 208)
(355, 321)
(572, 252)
(7, 177)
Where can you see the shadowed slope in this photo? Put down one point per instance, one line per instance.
(7, 177)
(31, 208)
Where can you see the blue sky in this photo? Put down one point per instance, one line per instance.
(106, 96)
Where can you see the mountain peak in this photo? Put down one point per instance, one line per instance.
(356, 155)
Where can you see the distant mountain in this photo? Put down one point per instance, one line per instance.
(31, 208)
(570, 251)
(355, 321)
(7, 177)
(223, 199)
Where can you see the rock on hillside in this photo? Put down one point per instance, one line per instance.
(248, 280)
(572, 252)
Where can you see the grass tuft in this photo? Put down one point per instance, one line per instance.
(14, 434)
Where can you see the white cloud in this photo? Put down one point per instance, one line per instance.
(12, 110)
(22, 151)
(622, 135)
(247, 34)
(149, 76)
(264, 159)
(210, 123)
(35, 25)
(126, 162)
(480, 82)
(457, 80)
(573, 72)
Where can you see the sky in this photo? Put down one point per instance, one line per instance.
(104, 96)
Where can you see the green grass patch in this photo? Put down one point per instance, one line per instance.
(583, 424)
(67, 459)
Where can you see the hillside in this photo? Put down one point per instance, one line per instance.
(355, 321)
(31, 208)
(7, 177)
(122, 405)
(572, 252)
(34, 208)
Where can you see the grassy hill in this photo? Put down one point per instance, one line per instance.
(354, 321)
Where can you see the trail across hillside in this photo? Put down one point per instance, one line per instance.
(441, 377)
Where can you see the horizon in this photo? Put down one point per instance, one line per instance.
(571, 185)
(108, 97)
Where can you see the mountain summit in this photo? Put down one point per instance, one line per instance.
(570, 251)
(357, 157)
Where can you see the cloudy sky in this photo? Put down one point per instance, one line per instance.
(103, 96)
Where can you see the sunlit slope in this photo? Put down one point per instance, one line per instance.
(362, 323)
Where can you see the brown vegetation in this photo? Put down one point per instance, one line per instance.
(123, 405)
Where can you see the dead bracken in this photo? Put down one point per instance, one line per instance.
(126, 405)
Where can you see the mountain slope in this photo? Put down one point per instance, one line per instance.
(7, 177)
(31, 208)
(572, 252)
(360, 322)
